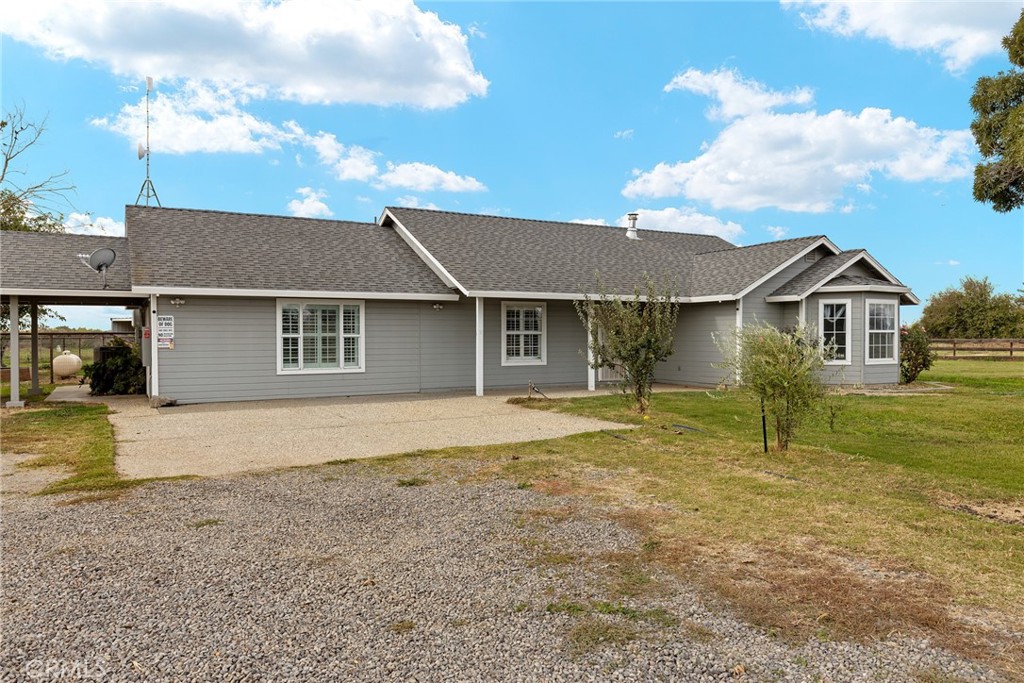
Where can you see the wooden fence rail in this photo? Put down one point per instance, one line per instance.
(976, 346)
(53, 344)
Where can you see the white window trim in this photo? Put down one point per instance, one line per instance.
(849, 328)
(507, 362)
(281, 370)
(895, 332)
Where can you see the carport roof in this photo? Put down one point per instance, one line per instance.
(46, 266)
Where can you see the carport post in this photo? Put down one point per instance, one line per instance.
(15, 401)
(479, 346)
(34, 389)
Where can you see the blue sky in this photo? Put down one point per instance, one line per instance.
(753, 121)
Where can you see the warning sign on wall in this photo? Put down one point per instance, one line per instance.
(165, 332)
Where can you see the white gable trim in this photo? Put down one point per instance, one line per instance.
(293, 293)
(421, 251)
(822, 242)
(821, 284)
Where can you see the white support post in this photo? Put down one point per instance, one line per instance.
(739, 328)
(591, 370)
(15, 401)
(154, 365)
(479, 346)
(802, 316)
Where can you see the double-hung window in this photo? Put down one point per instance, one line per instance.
(524, 333)
(835, 329)
(320, 336)
(881, 332)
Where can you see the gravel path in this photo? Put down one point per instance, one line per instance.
(341, 573)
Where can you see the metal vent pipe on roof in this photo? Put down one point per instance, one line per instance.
(631, 230)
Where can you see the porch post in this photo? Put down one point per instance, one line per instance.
(34, 390)
(154, 364)
(479, 346)
(803, 313)
(591, 370)
(15, 401)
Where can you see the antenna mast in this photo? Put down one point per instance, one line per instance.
(147, 190)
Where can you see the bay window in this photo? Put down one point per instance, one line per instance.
(881, 339)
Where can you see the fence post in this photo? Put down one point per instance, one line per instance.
(954, 348)
(1011, 348)
(51, 358)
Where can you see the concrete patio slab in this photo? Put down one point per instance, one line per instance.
(227, 438)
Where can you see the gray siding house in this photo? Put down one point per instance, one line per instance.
(241, 307)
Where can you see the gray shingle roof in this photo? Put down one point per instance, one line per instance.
(824, 267)
(46, 260)
(219, 250)
(730, 271)
(492, 253)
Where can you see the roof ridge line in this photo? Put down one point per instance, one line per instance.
(246, 213)
(548, 220)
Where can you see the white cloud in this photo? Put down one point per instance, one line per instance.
(590, 221)
(623, 134)
(683, 219)
(777, 231)
(961, 32)
(311, 204)
(413, 202)
(421, 177)
(952, 263)
(475, 31)
(347, 163)
(736, 96)
(804, 161)
(197, 118)
(85, 224)
(384, 52)
(206, 119)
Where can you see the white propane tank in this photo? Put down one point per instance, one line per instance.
(66, 364)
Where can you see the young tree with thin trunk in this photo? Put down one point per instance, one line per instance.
(632, 335)
(781, 369)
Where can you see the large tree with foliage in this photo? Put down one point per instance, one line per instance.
(974, 311)
(782, 370)
(632, 335)
(26, 204)
(998, 103)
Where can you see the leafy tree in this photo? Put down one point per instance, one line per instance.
(998, 103)
(632, 335)
(916, 354)
(974, 311)
(780, 369)
(25, 205)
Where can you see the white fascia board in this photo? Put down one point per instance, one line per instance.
(421, 251)
(103, 293)
(784, 299)
(293, 293)
(821, 242)
(894, 289)
(567, 296)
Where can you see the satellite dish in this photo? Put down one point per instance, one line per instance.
(100, 260)
(141, 151)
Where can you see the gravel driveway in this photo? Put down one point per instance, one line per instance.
(344, 573)
(227, 438)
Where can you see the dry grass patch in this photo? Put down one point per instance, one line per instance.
(593, 633)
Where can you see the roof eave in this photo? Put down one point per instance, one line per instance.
(293, 293)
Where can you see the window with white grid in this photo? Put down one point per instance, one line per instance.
(320, 336)
(524, 335)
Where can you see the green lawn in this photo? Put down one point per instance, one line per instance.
(23, 387)
(859, 531)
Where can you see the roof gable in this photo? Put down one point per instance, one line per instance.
(738, 270)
